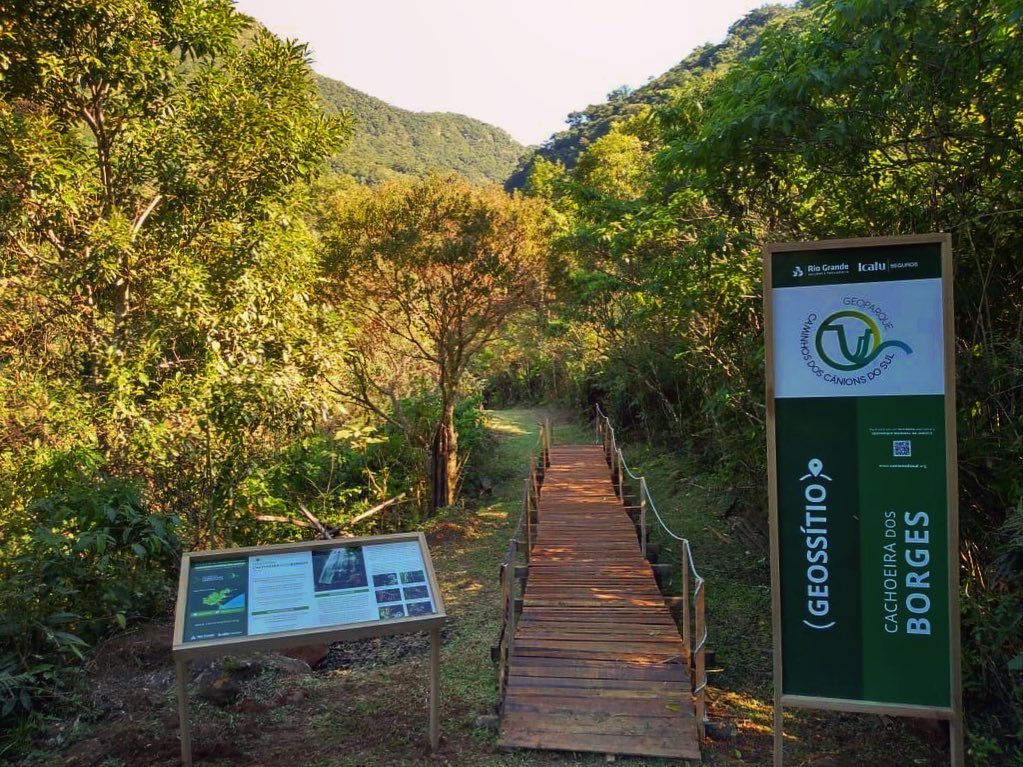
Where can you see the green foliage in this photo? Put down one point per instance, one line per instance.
(157, 271)
(589, 125)
(87, 557)
(431, 269)
(160, 345)
(836, 118)
(391, 143)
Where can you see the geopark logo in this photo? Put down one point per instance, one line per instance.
(832, 341)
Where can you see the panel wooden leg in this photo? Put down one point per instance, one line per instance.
(779, 743)
(184, 724)
(434, 689)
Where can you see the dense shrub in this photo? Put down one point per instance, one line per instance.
(86, 557)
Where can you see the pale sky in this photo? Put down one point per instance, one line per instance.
(521, 65)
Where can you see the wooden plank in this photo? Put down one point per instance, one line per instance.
(626, 689)
(676, 745)
(598, 664)
(533, 667)
(641, 708)
(558, 647)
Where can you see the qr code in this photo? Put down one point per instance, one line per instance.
(902, 448)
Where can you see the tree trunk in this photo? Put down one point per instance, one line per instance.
(445, 459)
(451, 465)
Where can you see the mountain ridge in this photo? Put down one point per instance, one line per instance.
(593, 122)
(391, 142)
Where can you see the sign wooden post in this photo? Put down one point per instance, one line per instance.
(267, 597)
(862, 478)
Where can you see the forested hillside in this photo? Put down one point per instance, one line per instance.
(389, 142)
(210, 336)
(587, 125)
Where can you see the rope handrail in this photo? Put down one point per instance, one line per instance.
(521, 543)
(611, 445)
(621, 459)
(664, 526)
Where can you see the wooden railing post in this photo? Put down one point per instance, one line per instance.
(511, 599)
(533, 478)
(502, 668)
(701, 671)
(613, 463)
(529, 520)
(642, 515)
(687, 634)
(621, 476)
(550, 440)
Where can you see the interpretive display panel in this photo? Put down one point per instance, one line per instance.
(266, 597)
(237, 594)
(862, 474)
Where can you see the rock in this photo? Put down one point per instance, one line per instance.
(240, 668)
(488, 722)
(285, 665)
(721, 730)
(199, 665)
(312, 654)
(289, 697)
(217, 686)
(160, 681)
(248, 706)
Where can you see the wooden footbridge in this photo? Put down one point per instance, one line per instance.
(593, 660)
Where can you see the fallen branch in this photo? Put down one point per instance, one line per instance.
(282, 520)
(312, 522)
(316, 523)
(379, 507)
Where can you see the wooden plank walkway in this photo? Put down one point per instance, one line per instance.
(597, 663)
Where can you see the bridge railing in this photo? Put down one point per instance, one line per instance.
(519, 547)
(694, 623)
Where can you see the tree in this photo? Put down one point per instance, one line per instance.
(837, 119)
(432, 269)
(155, 344)
(154, 264)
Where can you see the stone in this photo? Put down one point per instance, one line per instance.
(312, 654)
(289, 697)
(217, 686)
(160, 680)
(199, 665)
(488, 722)
(248, 706)
(933, 732)
(285, 665)
(240, 668)
(721, 729)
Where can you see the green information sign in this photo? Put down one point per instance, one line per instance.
(862, 475)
